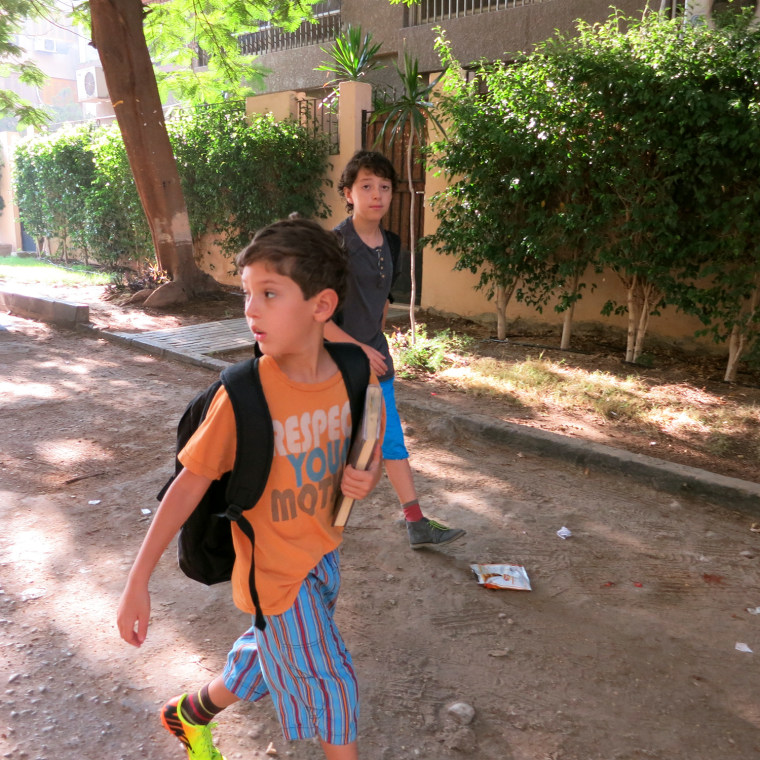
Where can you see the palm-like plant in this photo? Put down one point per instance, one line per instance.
(351, 57)
(408, 115)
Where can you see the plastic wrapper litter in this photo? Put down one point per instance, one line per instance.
(502, 576)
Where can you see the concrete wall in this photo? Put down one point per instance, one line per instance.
(294, 69)
(10, 229)
(444, 290)
(500, 35)
(451, 293)
(494, 35)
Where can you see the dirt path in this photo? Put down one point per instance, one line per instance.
(624, 649)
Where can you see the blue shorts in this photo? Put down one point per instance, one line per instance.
(301, 660)
(393, 442)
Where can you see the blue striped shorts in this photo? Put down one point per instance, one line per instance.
(302, 661)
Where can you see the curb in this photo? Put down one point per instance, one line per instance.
(732, 493)
(61, 313)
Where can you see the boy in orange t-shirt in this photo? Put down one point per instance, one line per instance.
(294, 278)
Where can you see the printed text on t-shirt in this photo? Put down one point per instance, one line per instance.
(315, 444)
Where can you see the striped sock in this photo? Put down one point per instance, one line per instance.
(198, 709)
(412, 511)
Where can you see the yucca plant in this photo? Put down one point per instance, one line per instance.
(351, 57)
(408, 115)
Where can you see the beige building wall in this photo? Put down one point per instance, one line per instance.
(503, 34)
(10, 229)
(451, 293)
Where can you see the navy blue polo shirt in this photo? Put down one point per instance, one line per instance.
(369, 286)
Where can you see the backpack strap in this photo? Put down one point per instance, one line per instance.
(255, 436)
(354, 366)
(253, 455)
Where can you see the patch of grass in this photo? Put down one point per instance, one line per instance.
(734, 432)
(27, 271)
(427, 354)
(539, 383)
(723, 426)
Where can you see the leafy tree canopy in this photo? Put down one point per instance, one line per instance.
(176, 30)
(630, 146)
(13, 63)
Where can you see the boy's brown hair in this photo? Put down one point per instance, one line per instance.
(300, 249)
(371, 160)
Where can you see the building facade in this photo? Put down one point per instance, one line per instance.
(477, 29)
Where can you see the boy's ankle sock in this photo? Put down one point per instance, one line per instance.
(198, 709)
(412, 511)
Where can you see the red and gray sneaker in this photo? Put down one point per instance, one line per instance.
(197, 739)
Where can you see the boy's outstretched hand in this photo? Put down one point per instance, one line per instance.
(357, 484)
(376, 359)
(134, 607)
(133, 615)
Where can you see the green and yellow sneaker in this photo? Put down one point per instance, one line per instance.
(426, 532)
(197, 739)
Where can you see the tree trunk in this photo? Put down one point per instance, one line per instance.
(633, 317)
(117, 30)
(647, 297)
(503, 297)
(738, 340)
(755, 22)
(412, 236)
(567, 320)
(567, 328)
(698, 11)
(735, 350)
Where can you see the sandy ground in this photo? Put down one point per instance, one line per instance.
(629, 645)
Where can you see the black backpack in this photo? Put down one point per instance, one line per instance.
(204, 546)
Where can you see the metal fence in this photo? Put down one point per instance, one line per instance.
(432, 11)
(320, 117)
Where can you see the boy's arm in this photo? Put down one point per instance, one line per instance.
(339, 335)
(177, 505)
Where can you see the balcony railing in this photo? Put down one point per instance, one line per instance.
(270, 39)
(433, 11)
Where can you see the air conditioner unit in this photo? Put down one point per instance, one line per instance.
(91, 84)
(45, 45)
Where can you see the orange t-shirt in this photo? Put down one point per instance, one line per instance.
(291, 521)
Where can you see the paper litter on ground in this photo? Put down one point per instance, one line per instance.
(502, 576)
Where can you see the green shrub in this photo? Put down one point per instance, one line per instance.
(237, 174)
(426, 354)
